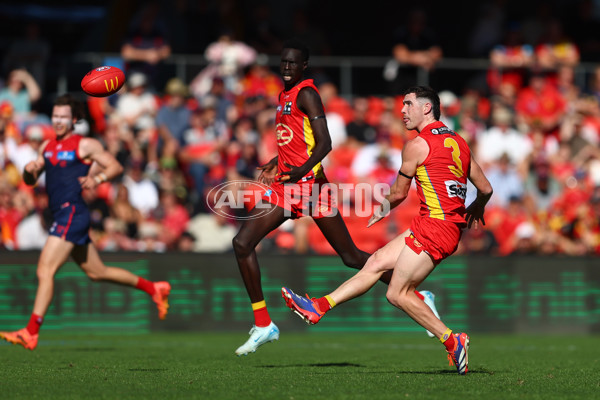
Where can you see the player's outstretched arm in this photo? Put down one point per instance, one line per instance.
(34, 169)
(475, 210)
(110, 168)
(414, 152)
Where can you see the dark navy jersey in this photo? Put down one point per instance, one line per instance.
(63, 168)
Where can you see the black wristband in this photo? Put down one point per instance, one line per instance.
(317, 117)
(404, 175)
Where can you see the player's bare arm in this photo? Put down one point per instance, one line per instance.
(413, 154)
(474, 212)
(309, 102)
(110, 168)
(34, 169)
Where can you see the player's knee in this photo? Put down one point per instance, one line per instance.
(44, 272)
(241, 247)
(96, 275)
(395, 299)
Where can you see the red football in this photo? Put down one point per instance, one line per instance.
(103, 81)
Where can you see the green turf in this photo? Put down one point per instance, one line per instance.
(299, 366)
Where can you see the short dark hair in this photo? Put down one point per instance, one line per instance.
(297, 44)
(425, 92)
(68, 100)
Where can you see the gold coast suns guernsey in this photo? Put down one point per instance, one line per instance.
(295, 137)
(442, 178)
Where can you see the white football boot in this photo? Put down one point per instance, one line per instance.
(258, 337)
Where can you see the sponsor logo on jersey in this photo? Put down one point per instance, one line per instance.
(456, 189)
(48, 154)
(66, 155)
(287, 108)
(444, 130)
(284, 134)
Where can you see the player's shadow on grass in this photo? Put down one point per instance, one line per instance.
(438, 372)
(342, 364)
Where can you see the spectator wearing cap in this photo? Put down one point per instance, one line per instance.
(173, 118)
(138, 107)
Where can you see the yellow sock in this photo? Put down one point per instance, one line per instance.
(446, 335)
(330, 300)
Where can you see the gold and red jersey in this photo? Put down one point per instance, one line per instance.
(295, 137)
(442, 178)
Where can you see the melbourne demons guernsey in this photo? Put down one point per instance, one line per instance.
(295, 137)
(442, 178)
(63, 168)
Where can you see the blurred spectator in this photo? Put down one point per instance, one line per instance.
(415, 46)
(172, 217)
(99, 209)
(125, 213)
(146, 44)
(227, 58)
(10, 136)
(212, 231)
(138, 107)
(173, 118)
(555, 48)
(502, 139)
(171, 178)
(149, 237)
(541, 188)
(260, 80)
(510, 60)
(10, 215)
(338, 112)
(541, 104)
(143, 194)
(358, 129)
(201, 149)
(186, 242)
(241, 152)
(32, 230)
(28, 150)
(21, 91)
(505, 180)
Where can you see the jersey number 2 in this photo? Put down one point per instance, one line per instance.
(456, 170)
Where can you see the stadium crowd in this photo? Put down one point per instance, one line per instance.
(535, 129)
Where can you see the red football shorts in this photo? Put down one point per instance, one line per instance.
(310, 198)
(436, 237)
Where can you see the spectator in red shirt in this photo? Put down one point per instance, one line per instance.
(540, 103)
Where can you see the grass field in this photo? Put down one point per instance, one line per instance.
(298, 366)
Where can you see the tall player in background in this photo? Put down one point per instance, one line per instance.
(441, 162)
(73, 163)
(303, 141)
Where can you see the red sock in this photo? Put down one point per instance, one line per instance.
(146, 286)
(449, 343)
(261, 315)
(323, 304)
(35, 322)
(419, 295)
